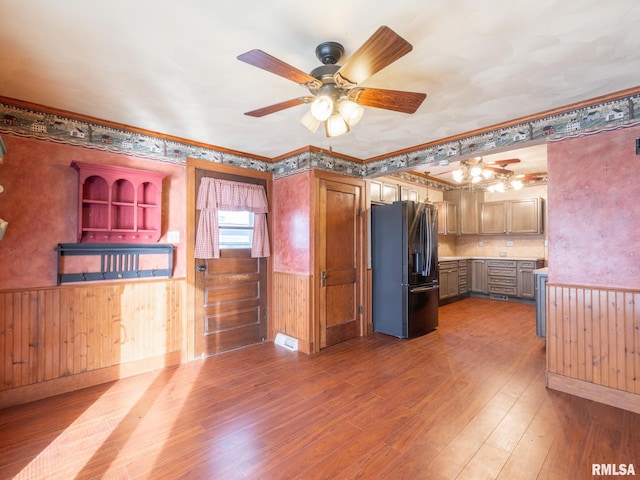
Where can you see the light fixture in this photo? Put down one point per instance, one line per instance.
(337, 116)
(322, 107)
(311, 122)
(472, 171)
(335, 125)
(350, 111)
(516, 184)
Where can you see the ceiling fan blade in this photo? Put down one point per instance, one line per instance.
(531, 176)
(504, 162)
(263, 60)
(381, 49)
(499, 170)
(261, 112)
(406, 102)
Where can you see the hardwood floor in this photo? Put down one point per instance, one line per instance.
(466, 401)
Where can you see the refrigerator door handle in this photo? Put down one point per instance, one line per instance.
(427, 213)
(422, 289)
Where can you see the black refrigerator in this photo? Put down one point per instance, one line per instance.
(404, 262)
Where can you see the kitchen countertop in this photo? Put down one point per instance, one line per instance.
(447, 259)
(541, 271)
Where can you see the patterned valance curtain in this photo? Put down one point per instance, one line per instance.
(215, 194)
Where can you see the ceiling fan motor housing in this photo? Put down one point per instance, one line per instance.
(329, 53)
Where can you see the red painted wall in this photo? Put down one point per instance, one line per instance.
(40, 204)
(594, 210)
(292, 217)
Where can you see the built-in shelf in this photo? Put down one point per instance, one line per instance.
(118, 204)
(117, 261)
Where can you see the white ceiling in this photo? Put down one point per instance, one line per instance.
(171, 67)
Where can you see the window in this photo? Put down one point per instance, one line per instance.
(236, 229)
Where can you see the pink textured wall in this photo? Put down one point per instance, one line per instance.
(292, 227)
(40, 204)
(594, 210)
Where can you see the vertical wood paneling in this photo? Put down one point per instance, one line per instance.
(292, 306)
(55, 332)
(594, 335)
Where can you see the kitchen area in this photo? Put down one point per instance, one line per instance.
(490, 244)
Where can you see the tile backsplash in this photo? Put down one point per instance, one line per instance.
(529, 246)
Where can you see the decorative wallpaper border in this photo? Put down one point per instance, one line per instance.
(28, 122)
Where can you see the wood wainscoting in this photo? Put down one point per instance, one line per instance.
(293, 309)
(593, 343)
(54, 340)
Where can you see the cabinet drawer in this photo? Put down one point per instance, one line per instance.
(502, 290)
(462, 270)
(502, 263)
(501, 272)
(448, 265)
(462, 263)
(526, 264)
(509, 281)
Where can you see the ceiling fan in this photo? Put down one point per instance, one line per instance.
(336, 99)
(474, 169)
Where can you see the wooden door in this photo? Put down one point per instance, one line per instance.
(340, 263)
(230, 297)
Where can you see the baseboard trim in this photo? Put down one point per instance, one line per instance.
(591, 391)
(58, 386)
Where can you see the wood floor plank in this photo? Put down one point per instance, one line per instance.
(465, 401)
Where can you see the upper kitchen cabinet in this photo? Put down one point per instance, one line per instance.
(493, 218)
(447, 218)
(381, 192)
(408, 193)
(118, 204)
(468, 203)
(512, 217)
(525, 216)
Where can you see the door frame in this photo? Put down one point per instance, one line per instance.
(361, 257)
(193, 164)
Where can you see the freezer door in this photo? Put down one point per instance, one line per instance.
(422, 305)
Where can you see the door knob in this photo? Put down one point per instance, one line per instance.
(323, 279)
(201, 268)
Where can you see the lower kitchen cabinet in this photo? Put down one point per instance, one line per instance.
(487, 276)
(448, 279)
(501, 277)
(526, 282)
(541, 303)
(463, 277)
(478, 275)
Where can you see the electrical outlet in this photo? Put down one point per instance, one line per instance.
(503, 254)
(509, 243)
(173, 236)
(481, 243)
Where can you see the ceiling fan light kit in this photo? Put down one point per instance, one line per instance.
(475, 171)
(337, 100)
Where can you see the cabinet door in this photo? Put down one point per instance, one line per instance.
(452, 284)
(526, 281)
(468, 213)
(493, 218)
(389, 193)
(375, 191)
(447, 218)
(525, 216)
(478, 276)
